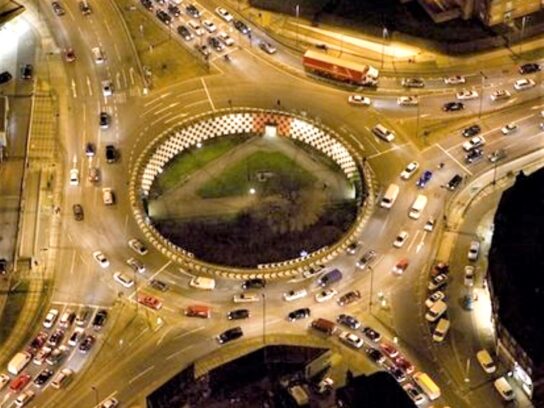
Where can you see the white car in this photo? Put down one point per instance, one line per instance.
(469, 276)
(324, 295)
(51, 318)
(225, 39)
(413, 392)
(247, 297)
(74, 177)
(123, 279)
(209, 26)
(295, 294)
(473, 251)
(429, 225)
(137, 246)
(24, 398)
(196, 28)
(408, 100)
(359, 100)
(76, 336)
(351, 339)
(101, 259)
(473, 143)
(107, 88)
(466, 95)
(62, 378)
(523, 84)
(400, 239)
(109, 403)
(409, 170)
(509, 128)
(455, 80)
(438, 281)
(224, 14)
(500, 94)
(434, 297)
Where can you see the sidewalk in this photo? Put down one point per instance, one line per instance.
(398, 57)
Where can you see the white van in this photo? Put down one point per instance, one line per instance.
(486, 361)
(504, 389)
(383, 133)
(427, 385)
(98, 55)
(418, 206)
(108, 196)
(201, 282)
(441, 330)
(438, 309)
(390, 196)
(19, 362)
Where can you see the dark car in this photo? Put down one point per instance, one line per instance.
(38, 341)
(424, 179)
(371, 333)
(529, 68)
(474, 155)
(298, 314)
(471, 131)
(413, 83)
(367, 257)
(256, 283)
(454, 182)
(43, 377)
(26, 71)
(87, 343)
(100, 319)
(203, 49)
(174, 10)
(159, 285)
(349, 297)
(397, 373)
(453, 106)
(57, 8)
(90, 149)
(111, 154)
(238, 314)
(56, 356)
(147, 4)
(104, 120)
(56, 338)
(230, 335)
(375, 355)
(216, 44)
(164, 17)
(242, 27)
(85, 8)
(440, 268)
(192, 11)
(185, 33)
(5, 77)
(348, 321)
(3, 266)
(78, 212)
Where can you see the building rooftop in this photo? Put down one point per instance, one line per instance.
(8, 10)
(516, 263)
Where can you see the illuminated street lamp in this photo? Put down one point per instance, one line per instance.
(384, 36)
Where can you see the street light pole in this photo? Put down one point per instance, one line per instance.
(297, 11)
(481, 94)
(97, 398)
(523, 20)
(264, 318)
(384, 34)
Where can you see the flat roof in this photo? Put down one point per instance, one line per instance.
(9, 9)
(516, 263)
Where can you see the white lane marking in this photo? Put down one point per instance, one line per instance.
(74, 92)
(164, 335)
(166, 108)
(73, 263)
(140, 374)
(117, 51)
(421, 242)
(413, 241)
(395, 147)
(179, 336)
(207, 93)
(180, 351)
(131, 73)
(454, 159)
(181, 115)
(125, 78)
(89, 86)
(157, 99)
(118, 80)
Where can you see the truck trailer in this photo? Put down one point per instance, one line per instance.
(340, 69)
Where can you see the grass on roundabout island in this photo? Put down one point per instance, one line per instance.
(239, 178)
(180, 168)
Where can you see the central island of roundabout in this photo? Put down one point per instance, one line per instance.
(250, 193)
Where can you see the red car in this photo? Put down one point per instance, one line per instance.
(389, 349)
(38, 342)
(20, 382)
(404, 364)
(149, 301)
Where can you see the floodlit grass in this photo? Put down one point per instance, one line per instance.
(181, 167)
(240, 177)
(168, 60)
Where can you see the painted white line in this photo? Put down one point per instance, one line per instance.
(179, 336)
(160, 270)
(164, 335)
(157, 99)
(74, 92)
(166, 108)
(454, 159)
(89, 87)
(56, 302)
(180, 351)
(395, 147)
(413, 241)
(141, 374)
(207, 93)
(181, 115)
(131, 73)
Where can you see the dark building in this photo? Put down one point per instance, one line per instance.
(516, 282)
(379, 390)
